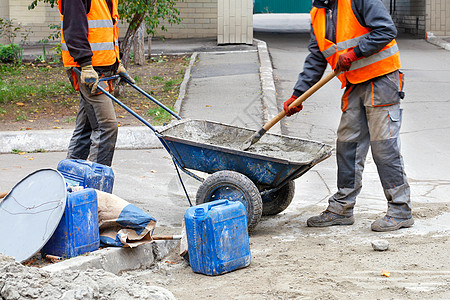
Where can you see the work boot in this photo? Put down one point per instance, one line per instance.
(328, 218)
(388, 223)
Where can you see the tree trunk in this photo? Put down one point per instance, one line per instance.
(138, 46)
(127, 42)
(125, 47)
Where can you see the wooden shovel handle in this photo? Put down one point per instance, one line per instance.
(300, 99)
(166, 237)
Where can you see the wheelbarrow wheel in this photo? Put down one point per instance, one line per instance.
(232, 186)
(276, 202)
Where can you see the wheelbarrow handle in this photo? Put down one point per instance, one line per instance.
(139, 90)
(123, 105)
(151, 98)
(143, 93)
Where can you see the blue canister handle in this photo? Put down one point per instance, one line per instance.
(82, 161)
(199, 212)
(218, 202)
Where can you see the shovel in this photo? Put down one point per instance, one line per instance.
(257, 135)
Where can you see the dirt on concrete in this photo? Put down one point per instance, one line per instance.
(293, 261)
(21, 282)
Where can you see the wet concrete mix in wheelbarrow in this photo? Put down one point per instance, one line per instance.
(227, 136)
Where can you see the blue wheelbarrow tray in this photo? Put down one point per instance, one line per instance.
(209, 147)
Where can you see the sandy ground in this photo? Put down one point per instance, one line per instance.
(292, 261)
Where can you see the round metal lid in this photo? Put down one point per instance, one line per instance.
(30, 213)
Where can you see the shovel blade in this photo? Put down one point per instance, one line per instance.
(253, 139)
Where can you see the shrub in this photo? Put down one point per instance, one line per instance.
(10, 53)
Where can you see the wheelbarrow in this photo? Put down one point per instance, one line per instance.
(262, 178)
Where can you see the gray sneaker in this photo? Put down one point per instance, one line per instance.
(328, 218)
(388, 223)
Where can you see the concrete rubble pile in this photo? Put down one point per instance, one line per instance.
(19, 282)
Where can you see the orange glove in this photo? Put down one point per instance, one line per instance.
(292, 110)
(345, 61)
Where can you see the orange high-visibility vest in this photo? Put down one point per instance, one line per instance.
(348, 33)
(103, 35)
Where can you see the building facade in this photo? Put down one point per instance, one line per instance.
(230, 21)
(418, 17)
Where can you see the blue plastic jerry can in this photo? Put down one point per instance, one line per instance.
(78, 231)
(217, 237)
(78, 172)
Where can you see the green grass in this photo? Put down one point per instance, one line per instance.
(2, 111)
(10, 70)
(137, 79)
(16, 91)
(22, 116)
(13, 92)
(69, 120)
(171, 84)
(17, 151)
(157, 78)
(160, 116)
(38, 151)
(158, 59)
(44, 70)
(55, 88)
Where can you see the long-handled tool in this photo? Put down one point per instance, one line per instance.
(257, 135)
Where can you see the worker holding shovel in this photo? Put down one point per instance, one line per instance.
(89, 41)
(356, 37)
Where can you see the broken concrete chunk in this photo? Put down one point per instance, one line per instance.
(380, 245)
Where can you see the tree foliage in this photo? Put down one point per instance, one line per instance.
(152, 12)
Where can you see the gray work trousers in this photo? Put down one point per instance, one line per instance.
(96, 128)
(371, 117)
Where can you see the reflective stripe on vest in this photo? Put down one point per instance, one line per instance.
(94, 46)
(347, 37)
(343, 45)
(374, 58)
(102, 36)
(98, 23)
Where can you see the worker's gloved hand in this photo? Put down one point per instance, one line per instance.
(89, 77)
(292, 110)
(122, 72)
(345, 61)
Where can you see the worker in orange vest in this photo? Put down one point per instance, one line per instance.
(356, 38)
(89, 41)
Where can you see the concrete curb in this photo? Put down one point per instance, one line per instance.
(269, 99)
(432, 39)
(183, 85)
(133, 137)
(117, 260)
